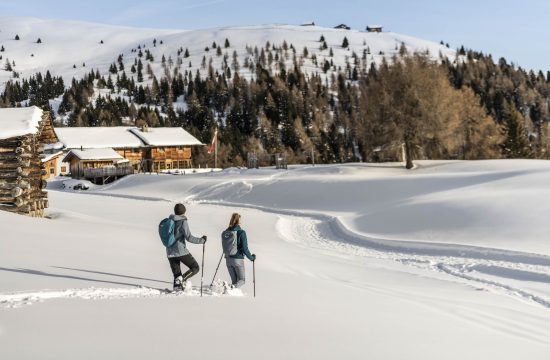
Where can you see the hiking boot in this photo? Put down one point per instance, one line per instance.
(178, 286)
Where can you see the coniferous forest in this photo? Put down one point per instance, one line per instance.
(409, 107)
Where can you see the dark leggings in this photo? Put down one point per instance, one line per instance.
(187, 260)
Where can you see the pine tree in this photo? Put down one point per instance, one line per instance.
(516, 143)
(39, 41)
(226, 43)
(326, 66)
(16, 37)
(345, 43)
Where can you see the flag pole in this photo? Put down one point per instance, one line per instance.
(216, 150)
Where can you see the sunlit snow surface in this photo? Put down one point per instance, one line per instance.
(354, 261)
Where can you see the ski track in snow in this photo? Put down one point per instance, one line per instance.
(483, 268)
(490, 273)
(19, 299)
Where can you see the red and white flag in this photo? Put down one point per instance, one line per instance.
(213, 143)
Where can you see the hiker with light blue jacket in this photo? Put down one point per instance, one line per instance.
(178, 253)
(235, 259)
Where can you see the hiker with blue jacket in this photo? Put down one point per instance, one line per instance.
(235, 262)
(178, 253)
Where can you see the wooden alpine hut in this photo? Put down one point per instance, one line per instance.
(23, 133)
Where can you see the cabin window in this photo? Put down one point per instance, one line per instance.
(63, 169)
(161, 149)
(52, 171)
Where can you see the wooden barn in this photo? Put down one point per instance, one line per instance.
(374, 28)
(342, 27)
(165, 148)
(53, 165)
(97, 165)
(143, 149)
(118, 138)
(23, 133)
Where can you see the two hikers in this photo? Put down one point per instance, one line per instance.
(175, 233)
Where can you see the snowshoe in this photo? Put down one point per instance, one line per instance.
(187, 287)
(217, 287)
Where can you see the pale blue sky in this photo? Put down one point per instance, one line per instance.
(517, 30)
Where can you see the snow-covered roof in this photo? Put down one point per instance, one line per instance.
(97, 137)
(94, 154)
(16, 122)
(55, 146)
(174, 136)
(123, 137)
(48, 157)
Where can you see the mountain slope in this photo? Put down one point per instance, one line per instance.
(65, 44)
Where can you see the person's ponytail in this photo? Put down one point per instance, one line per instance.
(235, 220)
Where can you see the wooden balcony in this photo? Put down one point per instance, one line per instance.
(107, 171)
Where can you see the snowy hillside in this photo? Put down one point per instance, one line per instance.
(65, 44)
(450, 260)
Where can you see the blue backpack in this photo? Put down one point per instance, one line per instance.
(166, 232)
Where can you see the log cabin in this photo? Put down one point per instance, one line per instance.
(53, 165)
(342, 27)
(118, 138)
(165, 148)
(97, 165)
(23, 134)
(374, 28)
(145, 149)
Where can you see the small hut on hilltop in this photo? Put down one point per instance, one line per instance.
(23, 132)
(374, 28)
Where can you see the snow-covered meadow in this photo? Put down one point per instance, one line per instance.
(450, 260)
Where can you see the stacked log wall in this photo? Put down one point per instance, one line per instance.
(21, 171)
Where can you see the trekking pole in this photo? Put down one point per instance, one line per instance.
(212, 283)
(202, 272)
(254, 276)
